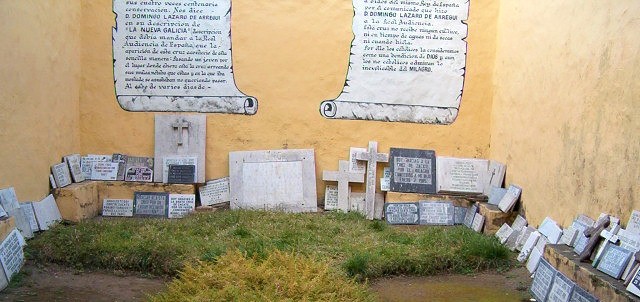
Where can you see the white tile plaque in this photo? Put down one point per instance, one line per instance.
(509, 200)
(61, 174)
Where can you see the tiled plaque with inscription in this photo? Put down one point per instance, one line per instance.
(402, 213)
(176, 56)
(396, 45)
(413, 171)
(73, 161)
(542, 280)
(436, 213)
(104, 171)
(151, 204)
(181, 174)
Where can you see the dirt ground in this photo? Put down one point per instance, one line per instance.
(57, 283)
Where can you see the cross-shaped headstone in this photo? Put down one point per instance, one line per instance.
(180, 125)
(593, 233)
(372, 157)
(343, 177)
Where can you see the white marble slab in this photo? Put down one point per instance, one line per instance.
(215, 192)
(27, 208)
(88, 160)
(73, 161)
(550, 229)
(11, 255)
(478, 223)
(180, 205)
(461, 175)
(61, 174)
(503, 233)
(355, 165)
(9, 199)
(47, 212)
(509, 200)
(528, 246)
(180, 135)
(104, 171)
(117, 207)
(22, 222)
(495, 176)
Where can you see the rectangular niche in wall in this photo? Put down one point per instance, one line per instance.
(176, 56)
(407, 62)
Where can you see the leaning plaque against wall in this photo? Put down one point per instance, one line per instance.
(407, 62)
(176, 56)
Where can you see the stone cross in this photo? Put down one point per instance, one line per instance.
(180, 125)
(372, 157)
(593, 233)
(343, 177)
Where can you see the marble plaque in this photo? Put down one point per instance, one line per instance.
(581, 240)
(117, 207)
(470, 215)
(542, 280)
(503, 233)
(273, 180)
(459, 215)
(614, 260)
(73, 161)
(180, 136)
(519, 223)
(478, 223)
(139, 169)
(402, 213)
(385, 181)
(177, 160)
(529, 246)
(629, 240)
(181, 174)
(61, 174)
(180, 205)
(581, 295)
(436, 213)
(150, 204)
(47, 212)
(534, 258)
(496, 194)
(509, 200)
(569, 236)
(561, 289)
(86, 163)
(634, 285)
(495, 176)
(331, 197)
(22, 222)
(215, 192)
(27, 208)
(633, 225)
(461, 175)
(523, 236)
(551, 230)
(9, 199)
(121, 159)
(355, 165)
(52, 182)
(542, 243)
(11, 254)
(413, 171)
(104, 171)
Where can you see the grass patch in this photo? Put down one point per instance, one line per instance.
(363, 249)
(281, 276)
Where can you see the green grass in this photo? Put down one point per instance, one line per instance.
(361, 248)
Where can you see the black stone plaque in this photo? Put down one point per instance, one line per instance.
(614, 260)
(181, 174)
(402, 213)
(413, 171)
(436, 213)
(151, 204)
(581, 295)
(542, 280)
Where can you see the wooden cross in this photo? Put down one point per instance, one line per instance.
(343, 177)
(372, 157)
(593, 233)
(180, 125)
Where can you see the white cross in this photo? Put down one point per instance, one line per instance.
(372, 157)
(180, 125)
(343, 177)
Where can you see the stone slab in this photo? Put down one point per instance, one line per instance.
(22, 222)
(180, 135)
(117, 207)
(61, 174)
(343, 177)
(495, 218)
(78, 201)
(273, 180)
(178, 160)
(495, 176)
(462, 175)
(140, 169)
(9, 199)
(385, 181)
(512, 240)
(215, 191)
(373, 158)
(87, 161)
(510, 198)
(104, 171)
(7, 225)
(569, 236)
(402, 213)
(550, 229)
(614, 260)
(633, 225)
(503, 233)
(47, 212)
(519, 223)
(436, 213)
(542, 280)
(470, 215)
(73, 161)
(528, 246)
(534, 259)
(357, 200)
(150, 204)
(478, 222)
(459, 214)
(181, 174)
(180, 205)
(11, 254)
(413, 171)
(523, 236)
(581, 295)
(561, 289)
(496, 194)
(355, 165)
(121, 160)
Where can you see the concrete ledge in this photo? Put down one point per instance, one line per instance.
(584, 275)
(458, 201)
(495, 218)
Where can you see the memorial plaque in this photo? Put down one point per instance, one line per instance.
(52, 182)
(11, 254)
(180, 205)
(509, 200)
(496, 194)
(523, 236)
(46, 212)
(61, 174)
(633, 225)
(181, 174)
(459, 215)
(282, 180)
(139, 169)
(178, 160)
(402, 213)
(569, 236)
(561, 289)
(551, 230)
(436, 213)
(73, 161)
(3, 213)
(478, 223)
(151, 204)
(542, 280)
(343, 177)
(104, 171)
(529, 246)
(614, 260)
(634, 285)
(495, 176)
(461, 175)
(179, 136)
(581, 295)
(27, 208)
(117, 207)
(470, 214)
(331, 197)
(355, 165)
(503, 233)
(513, 239)
(585, 220)
(86, 163)
(385, 181)
(215, 192)
(581, 240)
(121, 159)
(519, 223)
(22, 222)
(9, 199)
(534, 258)
(413, 171)
(629, 240)
(356, 199)
(542, 243)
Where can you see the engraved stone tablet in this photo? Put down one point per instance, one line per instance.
(61, 174)
(461, 175)
(436, 213)
(495, 176)
(215, 192)
(139, 169)
(629, 240)
(634, 285)
(27, 208)
(121, 159)
(496, 194)
(542, 280)
(117, 207)
(372, 206)
(385, 181)
(104, 171)
(569, 236)
(470, 215)
(413, 171)
(503, 233)
(73, 161)
(561, 289)
(179, 136)
(478, 223)
(331, 197)
(459, 214)
(581, 240)
(519, 223)
(47, 212)
(11, 254)
(512, 240)
(22, 222)
(402, 213)
(9, 199)
(528, 247)
(614, 260)
(151, 204)
(86, 163)
(551, 230)
(633, 225)
(181, 174)
(354, 164)
(523, 236)
(581, 295)
(509, 200)
(179, 160)
(52, 182)
(181, 205)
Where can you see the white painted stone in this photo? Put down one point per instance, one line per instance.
(343, 177)
(372, 157)
(9, 199)
(478, 223)
(27, 208)
(523, 236)
(104, 171)
(22, 222)
(633, 225)
(496, 194)
(177, 160)
(495, 176)
(273, 180)
(215, 192)
(117, 207)
(534, 258)
(509, 200)
(550, 229)
(47, 212)
(181, 205)
(61, 174)
(519, 223)
(87, 161)
(528, 246)
(461, 175)
(354, 164)
(503, 233)
(180, 135)
(11, 255)
(73, 161)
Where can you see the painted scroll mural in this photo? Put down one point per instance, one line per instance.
(176, 56)
(407, 62)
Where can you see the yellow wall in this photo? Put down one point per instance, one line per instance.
(39, 91)
(291, 55)
(565, 112)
